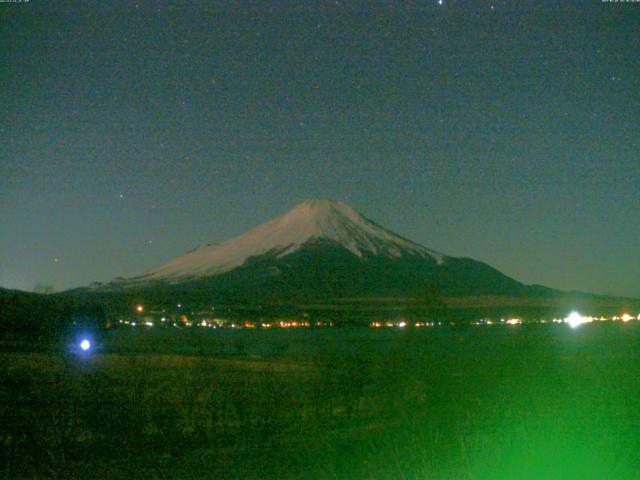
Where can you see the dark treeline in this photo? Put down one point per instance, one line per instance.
(37, 320)
(34, 321)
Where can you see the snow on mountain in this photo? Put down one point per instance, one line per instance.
(311, 220)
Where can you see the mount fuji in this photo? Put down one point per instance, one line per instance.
(321, 250)
(310, 222)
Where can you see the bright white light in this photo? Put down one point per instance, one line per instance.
(85, 345)
(575, 320)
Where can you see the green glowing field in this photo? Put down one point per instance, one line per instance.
(503, 402)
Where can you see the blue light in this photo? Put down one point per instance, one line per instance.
(85, 345)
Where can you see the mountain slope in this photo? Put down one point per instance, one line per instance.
(310, 221)
(321, 250)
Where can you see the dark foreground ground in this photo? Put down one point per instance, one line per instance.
(518, 402)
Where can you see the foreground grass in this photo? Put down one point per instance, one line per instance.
(526, 403)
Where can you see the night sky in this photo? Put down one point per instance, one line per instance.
(503, 131)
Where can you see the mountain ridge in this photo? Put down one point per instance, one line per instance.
(321, 250)
(325, 253)
(311, 220)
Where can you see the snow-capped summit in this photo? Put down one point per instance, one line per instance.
(310, 221)
(320, 251)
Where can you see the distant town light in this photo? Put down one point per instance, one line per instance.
(575, 320)
(85, 345)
